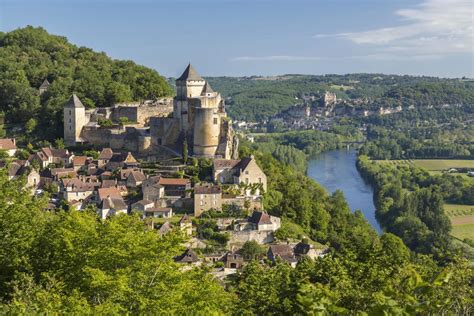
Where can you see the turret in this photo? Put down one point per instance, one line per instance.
(74, 120)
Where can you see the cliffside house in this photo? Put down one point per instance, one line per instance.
(8, 145)
(282, 252)
(207, 197)
(244, 171)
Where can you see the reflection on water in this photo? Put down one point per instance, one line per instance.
(337, 170)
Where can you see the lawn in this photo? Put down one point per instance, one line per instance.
(462, 219)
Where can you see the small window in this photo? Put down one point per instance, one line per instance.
(69, 120)
(246, 180)
(215, 121)
(70, 112)
(259, 180)
(246, 172)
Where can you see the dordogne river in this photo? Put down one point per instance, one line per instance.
(337, 170)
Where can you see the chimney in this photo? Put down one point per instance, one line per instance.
(14, 141)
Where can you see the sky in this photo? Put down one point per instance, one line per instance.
(263, 37)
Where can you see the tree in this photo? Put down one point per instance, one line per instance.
(251, 250)
(31, 125)
(59, 143)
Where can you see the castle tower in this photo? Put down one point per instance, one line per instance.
(74, 120)
(188, 85)
(207, 122)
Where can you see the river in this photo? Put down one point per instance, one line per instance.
(337, 170)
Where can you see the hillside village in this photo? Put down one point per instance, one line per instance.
(203, 191)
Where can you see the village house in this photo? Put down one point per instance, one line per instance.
(47, 156)
(188, 257)
(149, 208)
(244, 171)
(104, 157)
(259, 221)
(112, 206)
(73, 189)
(233, 260)
(158, 187)
(79, 162)
(304, 249)
(135, 178)
(207, 197)
(60, 173)
(8, 145)
(21, 168)
(282, 252)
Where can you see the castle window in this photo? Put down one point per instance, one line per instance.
(69, 120)
(259, 180)
(70, 112)
(215, 121)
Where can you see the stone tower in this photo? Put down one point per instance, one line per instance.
(74, 120)
(208, 114)
(188, 85)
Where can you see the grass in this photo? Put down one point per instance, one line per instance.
(462, 218)
(435, 166)
(462, 232)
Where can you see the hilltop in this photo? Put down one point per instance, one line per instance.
(30, 55)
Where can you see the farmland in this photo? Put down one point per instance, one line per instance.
(462, 219)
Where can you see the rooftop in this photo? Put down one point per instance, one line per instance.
(190, 74)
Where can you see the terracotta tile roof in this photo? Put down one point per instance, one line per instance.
(173, 181)
(282, 251)
(260, 218)
(7, 144)
(109, 192)
(106, 154)
(79, 160)
(225, 163)
(77, 185)
(158, 210)
(207, 189)
(108, 183)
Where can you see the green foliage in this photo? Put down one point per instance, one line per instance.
(70, 262)
(251, 250)
(29, 55)
(105, 122)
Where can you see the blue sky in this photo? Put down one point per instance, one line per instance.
(263, 37)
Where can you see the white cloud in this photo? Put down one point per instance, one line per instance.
(434, 27)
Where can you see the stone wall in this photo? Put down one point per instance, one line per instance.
(241, 237)
(164, 131)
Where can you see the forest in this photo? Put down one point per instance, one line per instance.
(30, 55)
(73, 262)
(260, 98)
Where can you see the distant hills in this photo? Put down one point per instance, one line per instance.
(259, 98)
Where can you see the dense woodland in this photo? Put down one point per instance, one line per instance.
(73, 262)
(30, 55)
(260, 98)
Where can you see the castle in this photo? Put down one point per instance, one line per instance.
(196, 116)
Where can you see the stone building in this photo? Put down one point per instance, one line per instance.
(207, 197)
(199, 118)
(196, 116)
(243, 171)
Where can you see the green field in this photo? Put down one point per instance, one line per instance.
(435, 166)
(462, 219)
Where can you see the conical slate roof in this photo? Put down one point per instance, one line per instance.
(45, 84)
(206, 89)
(74, 102)
(190, 74)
